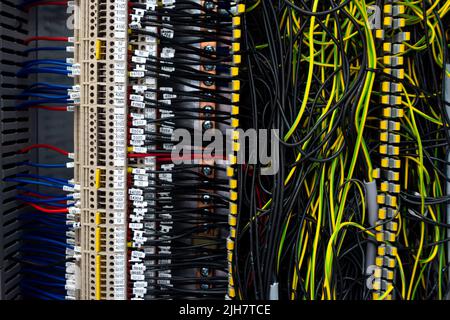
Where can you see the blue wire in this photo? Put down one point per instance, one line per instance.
(29, 285)
(45, 283)
(27, 248)
(34, 69)
(54, 230)
(40, 193)
(32, 103)
(48, 233)
(65, 181)
(34, 295)
(27, 71)
(58, 205)
(57, 273)
(50, 203)
(62, 226)
(49, 179)
(40, 183)
(49, 85)
(45, 49)
(45, 61)
(46, 256)
(43, 96)
(45, 200)
(51, 92)
(48, 295)
(40, 216)
(56, 270)
(43, 274)
(33, 182)
(42, 165)
(47, 89)
(36, 215)
(42, 239)
(46, 261)
(59, 227)
(44, 215)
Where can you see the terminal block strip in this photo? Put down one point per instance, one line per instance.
(141, 172)
(100, 139)
(232, 157)
(207, 165)
(389, 174)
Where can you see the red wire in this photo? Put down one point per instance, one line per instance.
(44, 146)
(41, 196)
(46, 3)
(28, 40)
(46, 210)
(34, 195)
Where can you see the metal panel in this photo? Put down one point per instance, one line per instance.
(16, 131)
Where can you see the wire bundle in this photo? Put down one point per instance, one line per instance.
(313, 70)
(48, 246)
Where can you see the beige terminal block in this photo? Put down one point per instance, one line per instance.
(100, 135)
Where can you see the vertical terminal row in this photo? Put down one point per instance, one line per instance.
(73, 216)
(207, 108)
(143, 141)
(389, 173)
(232, 157)
(100, 139)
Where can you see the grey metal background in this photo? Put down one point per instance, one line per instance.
(16, 131)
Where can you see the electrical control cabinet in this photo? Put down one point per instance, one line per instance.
(224, 149)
